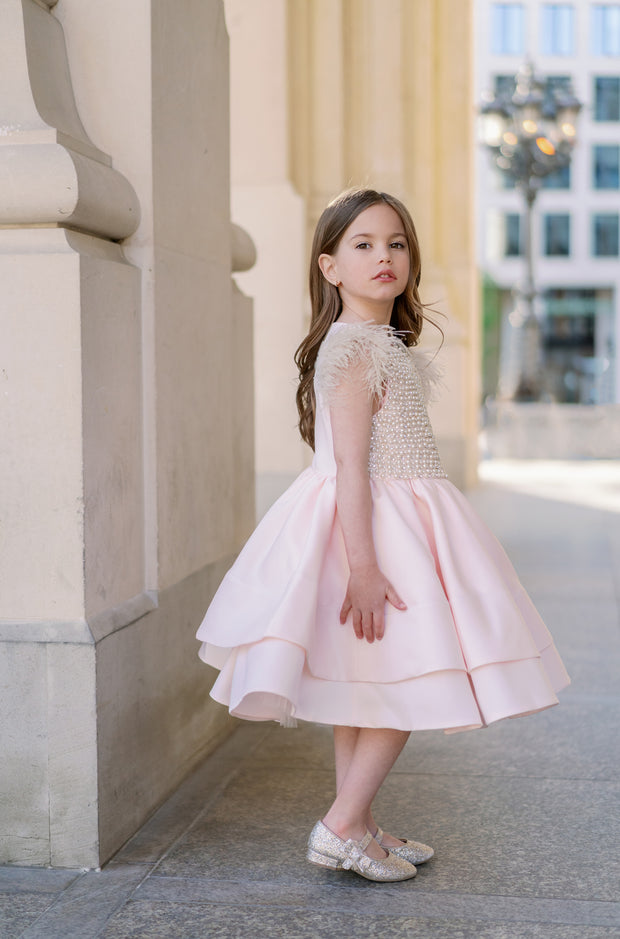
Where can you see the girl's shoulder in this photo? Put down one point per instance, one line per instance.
(366, 346)
(371, 349)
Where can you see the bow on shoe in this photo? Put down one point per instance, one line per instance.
(354, 856)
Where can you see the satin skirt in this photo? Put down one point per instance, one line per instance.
(469, 649)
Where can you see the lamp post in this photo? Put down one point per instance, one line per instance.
(530, 132)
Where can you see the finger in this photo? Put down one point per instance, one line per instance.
(394, 599)
(345, 610)
(379, 624)
(367, 624)
(357, 624)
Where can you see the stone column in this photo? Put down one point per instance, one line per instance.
(265, 203)
(126, 412)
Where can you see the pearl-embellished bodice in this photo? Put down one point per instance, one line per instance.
(402, 444)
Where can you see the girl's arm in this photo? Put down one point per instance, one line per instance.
(368, 588)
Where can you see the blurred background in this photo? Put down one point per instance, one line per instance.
(548, 210)
(498, 123)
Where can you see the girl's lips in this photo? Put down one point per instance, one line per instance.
(384, 275)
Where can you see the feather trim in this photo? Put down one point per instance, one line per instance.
(430, 372)
(369, 346)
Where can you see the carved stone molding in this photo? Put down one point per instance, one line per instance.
(243, 249)
(50, 172)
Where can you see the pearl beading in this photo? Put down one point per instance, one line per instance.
(402, 443)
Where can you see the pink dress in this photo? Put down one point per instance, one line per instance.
(470, 648)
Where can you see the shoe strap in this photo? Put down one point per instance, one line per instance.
(379, 836)
(365, 841)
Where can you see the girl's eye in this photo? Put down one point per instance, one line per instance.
(362, 244)
(398, 244)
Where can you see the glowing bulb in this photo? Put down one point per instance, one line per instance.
(510, 138)
(530, 127)
(545, 146)
(568, 130)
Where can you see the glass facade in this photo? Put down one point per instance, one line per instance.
(507, 29)
(606, 235)
(557, 29)
(578, 345)
(605, 28)
(606, 166)
(558, 180)
(504, 85)
(512, 235)
(556, 231)
(607, 98)
(575, 47)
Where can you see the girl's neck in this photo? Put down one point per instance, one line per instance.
(363, 314)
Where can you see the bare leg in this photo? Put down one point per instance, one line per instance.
(345, 741)
(371, 757)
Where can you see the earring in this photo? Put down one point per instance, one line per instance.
(338, 283)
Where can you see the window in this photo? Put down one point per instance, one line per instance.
(505, 85)
(606, 166)
(512, 235)
(560, 83)
(560, 179)
(556, 29)
(578, 344)
(606, 235)
(507, 28)
(557, 235)
(506, 181)
(605, 28)
(606, 98)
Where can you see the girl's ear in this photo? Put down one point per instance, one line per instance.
(327, 265)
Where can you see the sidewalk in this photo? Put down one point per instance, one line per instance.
(524, 816)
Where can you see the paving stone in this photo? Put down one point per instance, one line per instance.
(19, 911)
(25, 893)
(194, 796)
(510, 835)
(570, 742)
(408, 898)
(41, 880)
(144, 920)
(84, 908)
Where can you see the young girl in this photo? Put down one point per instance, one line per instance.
(371, 597)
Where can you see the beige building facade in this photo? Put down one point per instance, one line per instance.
(133, 366)
(327, 94)
(127, 439)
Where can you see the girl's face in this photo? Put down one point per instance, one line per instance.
(371, 262)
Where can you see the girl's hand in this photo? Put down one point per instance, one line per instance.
(367, 591)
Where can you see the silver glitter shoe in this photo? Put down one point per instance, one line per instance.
(412, 851)
(328, 850)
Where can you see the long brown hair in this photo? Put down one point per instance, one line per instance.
(408, 312)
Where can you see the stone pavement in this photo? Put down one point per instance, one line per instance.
(524, 815)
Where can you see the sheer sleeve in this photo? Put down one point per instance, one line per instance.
(350, 353)
(429, 372)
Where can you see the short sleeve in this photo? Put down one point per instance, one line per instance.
(368, 349)
(429, 372)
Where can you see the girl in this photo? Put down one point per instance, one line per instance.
(371, 597)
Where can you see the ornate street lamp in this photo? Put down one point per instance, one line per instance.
(531, 133)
